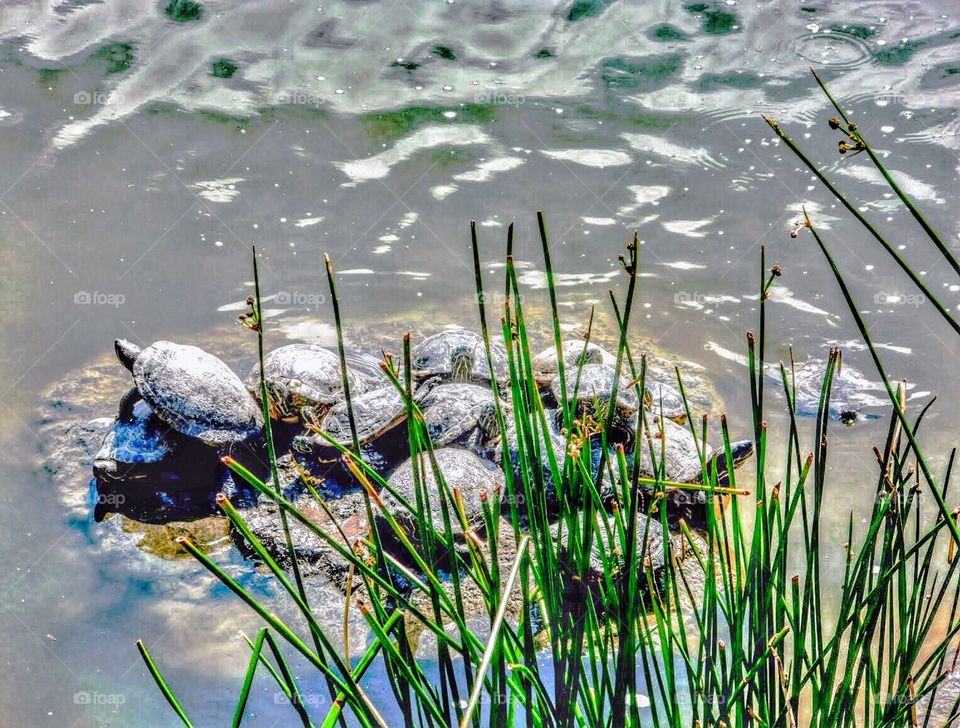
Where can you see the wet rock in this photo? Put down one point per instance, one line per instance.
(316, 556)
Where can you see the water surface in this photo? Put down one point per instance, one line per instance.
(141, 157)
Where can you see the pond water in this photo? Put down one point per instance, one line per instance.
(141, 157)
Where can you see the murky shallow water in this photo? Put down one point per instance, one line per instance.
(135, 176)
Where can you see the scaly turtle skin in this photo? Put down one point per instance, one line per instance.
(575, 352)
(192, 391)
(457, 355)
(460, 469)
(460, 413)
(375, 413)
(300, 376)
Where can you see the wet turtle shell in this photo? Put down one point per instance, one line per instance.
(192, 391)
(457, 412)
(664, 399)
(607, 548)
(675, 445)
(591, 394)
(302, 375)
(375, 413)
(458, 355)
(575, 352)
(461, 469)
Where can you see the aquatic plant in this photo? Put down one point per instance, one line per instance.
(183, 11)
(733, 630)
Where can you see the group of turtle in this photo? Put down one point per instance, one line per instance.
(187, 408)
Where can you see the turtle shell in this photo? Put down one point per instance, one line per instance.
(575, 352)
(457, 354)
(675, 444)
(375, 413)
(461, 469)
(595, 383)
(302, 375)
(196, 394)
(665, 399)
(451, 411)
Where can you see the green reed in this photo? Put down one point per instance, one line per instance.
(737, 630)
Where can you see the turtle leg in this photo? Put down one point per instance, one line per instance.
(127, 403)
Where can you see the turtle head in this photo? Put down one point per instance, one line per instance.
(127, 352)
(461, 364)
(740, 452)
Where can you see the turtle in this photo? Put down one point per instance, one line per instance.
(300, 376)
(606, 548)
(575, 352)
(460, 413)
(457, 355)
(678, 449)
(192, 391)
(851, 393)
(462, 469)
(375, 413)
(588, 388)
(664, 399)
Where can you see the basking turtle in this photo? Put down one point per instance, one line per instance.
(462, 469)
(676, 447)
(300, 376)
(575, 352)
(664, 399)
(460, 413)
(851, 393)
(606, 548)
(457, 355)
(589, 390)
(192, 391)
(375, 414)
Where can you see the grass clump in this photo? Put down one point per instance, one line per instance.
(735, 629)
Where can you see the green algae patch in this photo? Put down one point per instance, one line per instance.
(666, 33)
(716, 20)
(223, 68)
(118, 57)
(391, 125)
(586, 9)
(643, 74)
(183, 11)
